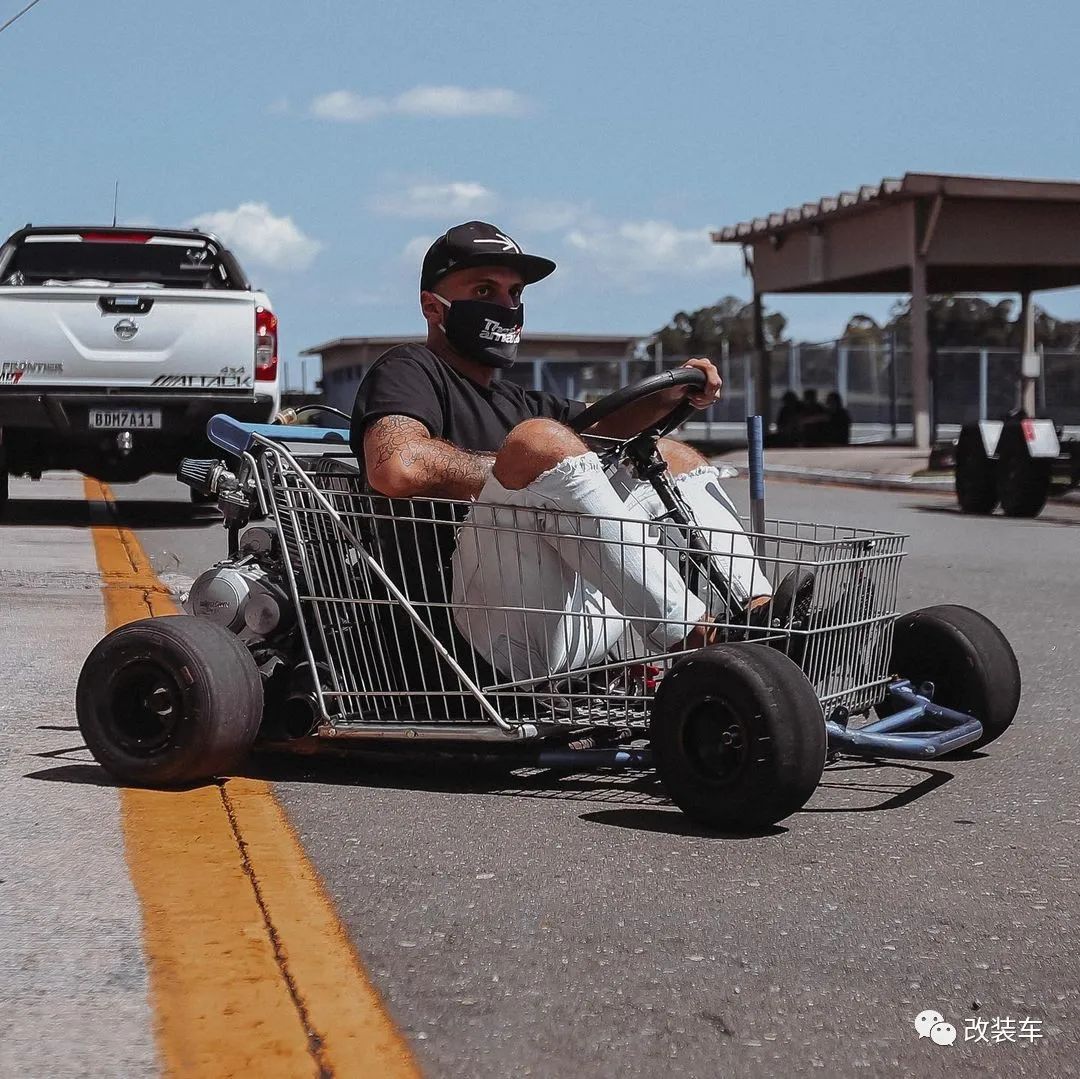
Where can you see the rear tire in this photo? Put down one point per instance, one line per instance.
(969, 660)
(169, 701)
(738, 736)
(1023, 482)
(975, 475)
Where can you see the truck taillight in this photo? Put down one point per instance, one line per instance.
(265, 345)
(114, 237)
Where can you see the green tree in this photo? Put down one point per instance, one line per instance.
(956, 321)
(863, 330)
(730, 320)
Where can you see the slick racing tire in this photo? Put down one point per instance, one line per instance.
(738, 736)
(169, 701)
(1023, 482)
(966, 657)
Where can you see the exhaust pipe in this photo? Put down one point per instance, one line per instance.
(300, 714)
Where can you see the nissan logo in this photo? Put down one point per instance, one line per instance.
(126, 329)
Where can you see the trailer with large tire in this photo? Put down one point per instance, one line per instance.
(1016, 463)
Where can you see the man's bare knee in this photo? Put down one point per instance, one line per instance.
(533, 448)
(680, 457)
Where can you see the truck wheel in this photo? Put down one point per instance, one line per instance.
(976, 479)
(738, 736)
(169, 701)
(3, 477)
(1023, 482)
(969, 660)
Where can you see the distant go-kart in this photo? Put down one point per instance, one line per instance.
(330, 621)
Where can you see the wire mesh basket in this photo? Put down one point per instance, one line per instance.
(397, 638)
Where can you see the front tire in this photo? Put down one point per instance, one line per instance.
(169, 701)
(738, 736)
(968, 659)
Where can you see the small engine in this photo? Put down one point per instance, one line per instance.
(240, 594)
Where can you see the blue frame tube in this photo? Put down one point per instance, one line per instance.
(897, 736)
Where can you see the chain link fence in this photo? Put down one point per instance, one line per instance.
(874, 381)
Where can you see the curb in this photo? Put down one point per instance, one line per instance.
(845, 478)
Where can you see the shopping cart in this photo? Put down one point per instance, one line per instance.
(336, 616)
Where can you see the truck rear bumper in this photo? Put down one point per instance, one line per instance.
(67, 412)
(43, 429)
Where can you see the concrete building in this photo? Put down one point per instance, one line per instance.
(579, 366)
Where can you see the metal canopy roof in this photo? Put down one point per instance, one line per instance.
(972, 233)
(807, 212)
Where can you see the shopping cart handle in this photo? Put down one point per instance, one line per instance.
(236, 437)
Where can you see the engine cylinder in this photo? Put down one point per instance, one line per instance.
(221, 594)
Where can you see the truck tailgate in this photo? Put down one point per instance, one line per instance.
(92, 336)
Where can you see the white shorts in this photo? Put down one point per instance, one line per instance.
(553, 577)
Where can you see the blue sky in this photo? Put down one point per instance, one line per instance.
(329, 142)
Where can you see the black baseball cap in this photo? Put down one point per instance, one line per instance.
(476, 243)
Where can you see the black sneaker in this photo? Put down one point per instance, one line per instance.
(790, 609)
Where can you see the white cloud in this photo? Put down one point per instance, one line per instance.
(349, 107)
(457, 101)
(548, 215)
(259, 236)
(632, 251)
(457, 198)
(414, 251)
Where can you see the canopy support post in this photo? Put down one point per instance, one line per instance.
(920, 347)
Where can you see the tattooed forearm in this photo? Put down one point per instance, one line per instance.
(393, 435)
(403, 460)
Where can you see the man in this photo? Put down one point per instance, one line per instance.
(433, 421)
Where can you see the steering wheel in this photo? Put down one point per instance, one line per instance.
(647, 387)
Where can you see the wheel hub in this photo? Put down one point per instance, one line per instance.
(716, 741)
(145, 708)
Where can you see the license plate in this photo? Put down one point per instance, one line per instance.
(128, 419)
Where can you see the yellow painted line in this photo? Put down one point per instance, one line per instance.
(251, 970)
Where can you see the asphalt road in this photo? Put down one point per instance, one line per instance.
(73, 980)
(579, 926)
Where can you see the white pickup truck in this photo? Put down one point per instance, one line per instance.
(118, 344)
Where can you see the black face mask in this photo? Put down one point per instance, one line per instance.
(486, 332)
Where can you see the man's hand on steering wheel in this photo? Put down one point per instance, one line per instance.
(713, 385)
(657, 404)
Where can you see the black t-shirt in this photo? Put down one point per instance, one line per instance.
(410, 380)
